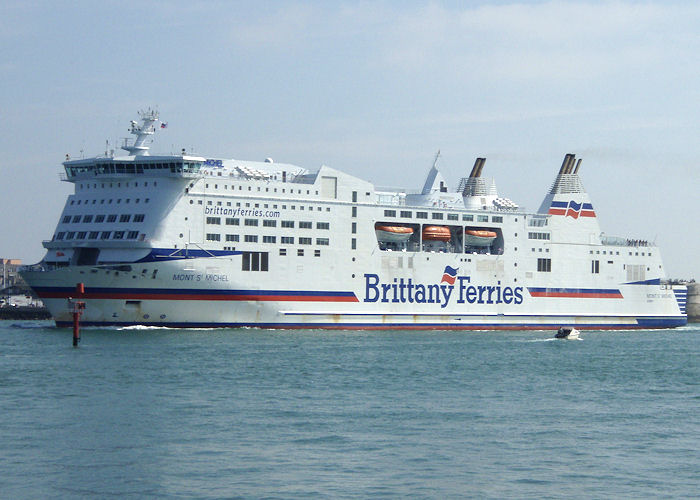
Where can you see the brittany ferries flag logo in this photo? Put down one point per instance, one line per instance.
(449, 275)
(571, 209)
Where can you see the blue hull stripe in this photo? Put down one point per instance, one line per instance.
(642, 323)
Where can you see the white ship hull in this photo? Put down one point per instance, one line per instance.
(199, 299)
(186, 241)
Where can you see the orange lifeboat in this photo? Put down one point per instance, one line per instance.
(436, 233)
(479, 238)
(395, 234)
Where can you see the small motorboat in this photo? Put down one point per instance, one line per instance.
(394, 234)
(436, 233)
(479, 238)
(567, 332)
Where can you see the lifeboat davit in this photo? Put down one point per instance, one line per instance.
(436, 233)
(393, 234)
(479, 238)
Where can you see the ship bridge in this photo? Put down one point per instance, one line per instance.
(129, 166)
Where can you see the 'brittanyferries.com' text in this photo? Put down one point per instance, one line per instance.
(241, 212)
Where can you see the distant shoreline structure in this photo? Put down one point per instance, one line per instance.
(24, 313)
(693, 302)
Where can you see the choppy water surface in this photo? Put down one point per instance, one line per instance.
(298, 414)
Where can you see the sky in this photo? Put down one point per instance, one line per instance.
(371, 88)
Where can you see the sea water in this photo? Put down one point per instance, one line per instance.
(348, 414)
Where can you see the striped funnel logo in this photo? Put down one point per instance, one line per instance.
(571, 209)
(449, 275)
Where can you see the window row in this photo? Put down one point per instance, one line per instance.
(300, 252)
(267, 189)
(86, 219)
(257, 205)
(538, 236)
(104, 185)
(232, 221)
(253, 238)
(109, 201)
(407, 214)
(96, 235)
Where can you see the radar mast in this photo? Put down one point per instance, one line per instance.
(142, 132)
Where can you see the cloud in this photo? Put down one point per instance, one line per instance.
(554, 40)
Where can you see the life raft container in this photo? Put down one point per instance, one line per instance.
(393, 234)
(436, 233)
(479, 238)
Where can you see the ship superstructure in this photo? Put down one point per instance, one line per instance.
(192, 241)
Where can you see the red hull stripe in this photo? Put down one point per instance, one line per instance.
(582, 293)
(221, 295)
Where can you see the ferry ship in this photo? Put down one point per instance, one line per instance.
(192, 241)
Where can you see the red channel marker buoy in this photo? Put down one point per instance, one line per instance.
(78, 307)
